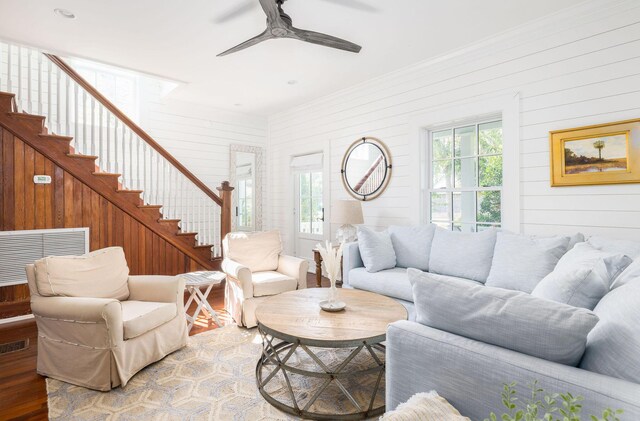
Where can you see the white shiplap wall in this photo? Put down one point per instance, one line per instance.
(577, 67)
(197, 135)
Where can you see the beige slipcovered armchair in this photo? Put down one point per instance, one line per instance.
(256, 270)
(98, 326)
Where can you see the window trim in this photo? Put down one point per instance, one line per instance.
(508, 106)
(452, 127)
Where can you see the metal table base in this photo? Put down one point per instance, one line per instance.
(276, 355)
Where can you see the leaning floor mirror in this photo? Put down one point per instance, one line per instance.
(245, 174)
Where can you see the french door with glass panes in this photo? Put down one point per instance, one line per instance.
(465, 180)
(309, 211)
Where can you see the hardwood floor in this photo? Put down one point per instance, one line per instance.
(23, 394)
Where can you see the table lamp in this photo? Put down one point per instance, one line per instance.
(347, 213)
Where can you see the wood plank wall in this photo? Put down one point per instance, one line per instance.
(69, 203)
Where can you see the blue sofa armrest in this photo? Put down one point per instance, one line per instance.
(350, 260)
(471, 374)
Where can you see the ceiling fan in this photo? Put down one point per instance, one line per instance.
(279, 25)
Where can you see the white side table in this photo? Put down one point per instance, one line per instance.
(194, 281)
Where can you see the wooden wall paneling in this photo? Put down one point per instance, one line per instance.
(58, 197)
(29, 188)
(68, 195)
(48, 194)
(2, 180)
(7, 181)
(133, 266)
(77, 203)
(19, 182)
(95, 220)
(142, 261)
(40, 197)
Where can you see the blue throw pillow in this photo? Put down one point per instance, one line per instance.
(376, 249)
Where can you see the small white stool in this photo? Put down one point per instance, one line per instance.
(193, 282)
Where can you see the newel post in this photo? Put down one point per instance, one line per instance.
(225, 190)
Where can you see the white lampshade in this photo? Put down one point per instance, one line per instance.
(347, 212)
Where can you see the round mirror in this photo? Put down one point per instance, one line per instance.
(366, 168)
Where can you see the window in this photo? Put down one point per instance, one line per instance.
(465, 188)
(311, 210)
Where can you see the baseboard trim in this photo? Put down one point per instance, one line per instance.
(16, 319)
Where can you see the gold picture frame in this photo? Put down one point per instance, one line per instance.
(595, 155)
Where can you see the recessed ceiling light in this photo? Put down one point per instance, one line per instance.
(237, 104)
(292, 82)
(67, 14)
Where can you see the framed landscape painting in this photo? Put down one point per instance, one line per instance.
(603, 154)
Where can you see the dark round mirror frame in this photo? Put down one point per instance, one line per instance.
(387, 176)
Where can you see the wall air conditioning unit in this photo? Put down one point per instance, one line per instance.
(19, 248)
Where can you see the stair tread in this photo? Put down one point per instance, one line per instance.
(78, 155)
(19, 114)
(150, 206)
(187, 233)
(169, 220)
(55, 136)
(107, 174)
(129, 191)
(204, 246)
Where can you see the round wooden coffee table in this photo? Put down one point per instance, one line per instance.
(292, 324)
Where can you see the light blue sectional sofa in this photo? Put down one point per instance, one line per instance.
(598, 277)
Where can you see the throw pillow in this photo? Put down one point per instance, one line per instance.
(520, 261)
(376, 249)
(612, 346)
(412, 245)
(462, 254)
(424, 407)
(509, 319)
(582, 277)
(628, 247)
(629, 274)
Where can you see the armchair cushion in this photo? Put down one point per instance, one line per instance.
(258, 251)
(156, 288)
(100, 274)
(139, 317)
(272, 283)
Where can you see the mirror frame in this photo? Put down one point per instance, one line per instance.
(259, 169)
(387, 177)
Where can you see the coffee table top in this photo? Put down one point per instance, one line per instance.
(297, 315)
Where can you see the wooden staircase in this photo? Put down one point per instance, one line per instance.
(32, 130)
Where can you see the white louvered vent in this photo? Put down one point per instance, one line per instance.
(19, 248)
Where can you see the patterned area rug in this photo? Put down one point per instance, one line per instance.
(213, 378)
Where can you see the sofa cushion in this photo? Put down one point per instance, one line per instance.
(390, 282)
(582, 277)
(100, 274)
(376, 249)
(521, 261)
(629, 274)
(509, 319)
(613, 345)
(462, 254)
(140, 317)
(258, 251)
(628, 247)
(272, 283)
(412, 245)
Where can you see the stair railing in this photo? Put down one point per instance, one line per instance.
(46, 85)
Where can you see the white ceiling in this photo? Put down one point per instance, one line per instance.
(180, 39)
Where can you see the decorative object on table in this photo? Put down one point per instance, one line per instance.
(366, 168)
(592, 155)
(424, 407)
(331, 256)
(317, 257)
(345, 350)
(347, 213)
(193, 282)
(542, 406)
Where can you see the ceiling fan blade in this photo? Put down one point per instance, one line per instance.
(270, 8)
(235, 12)
(354, 4)
(253, 41)
(324, 39)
